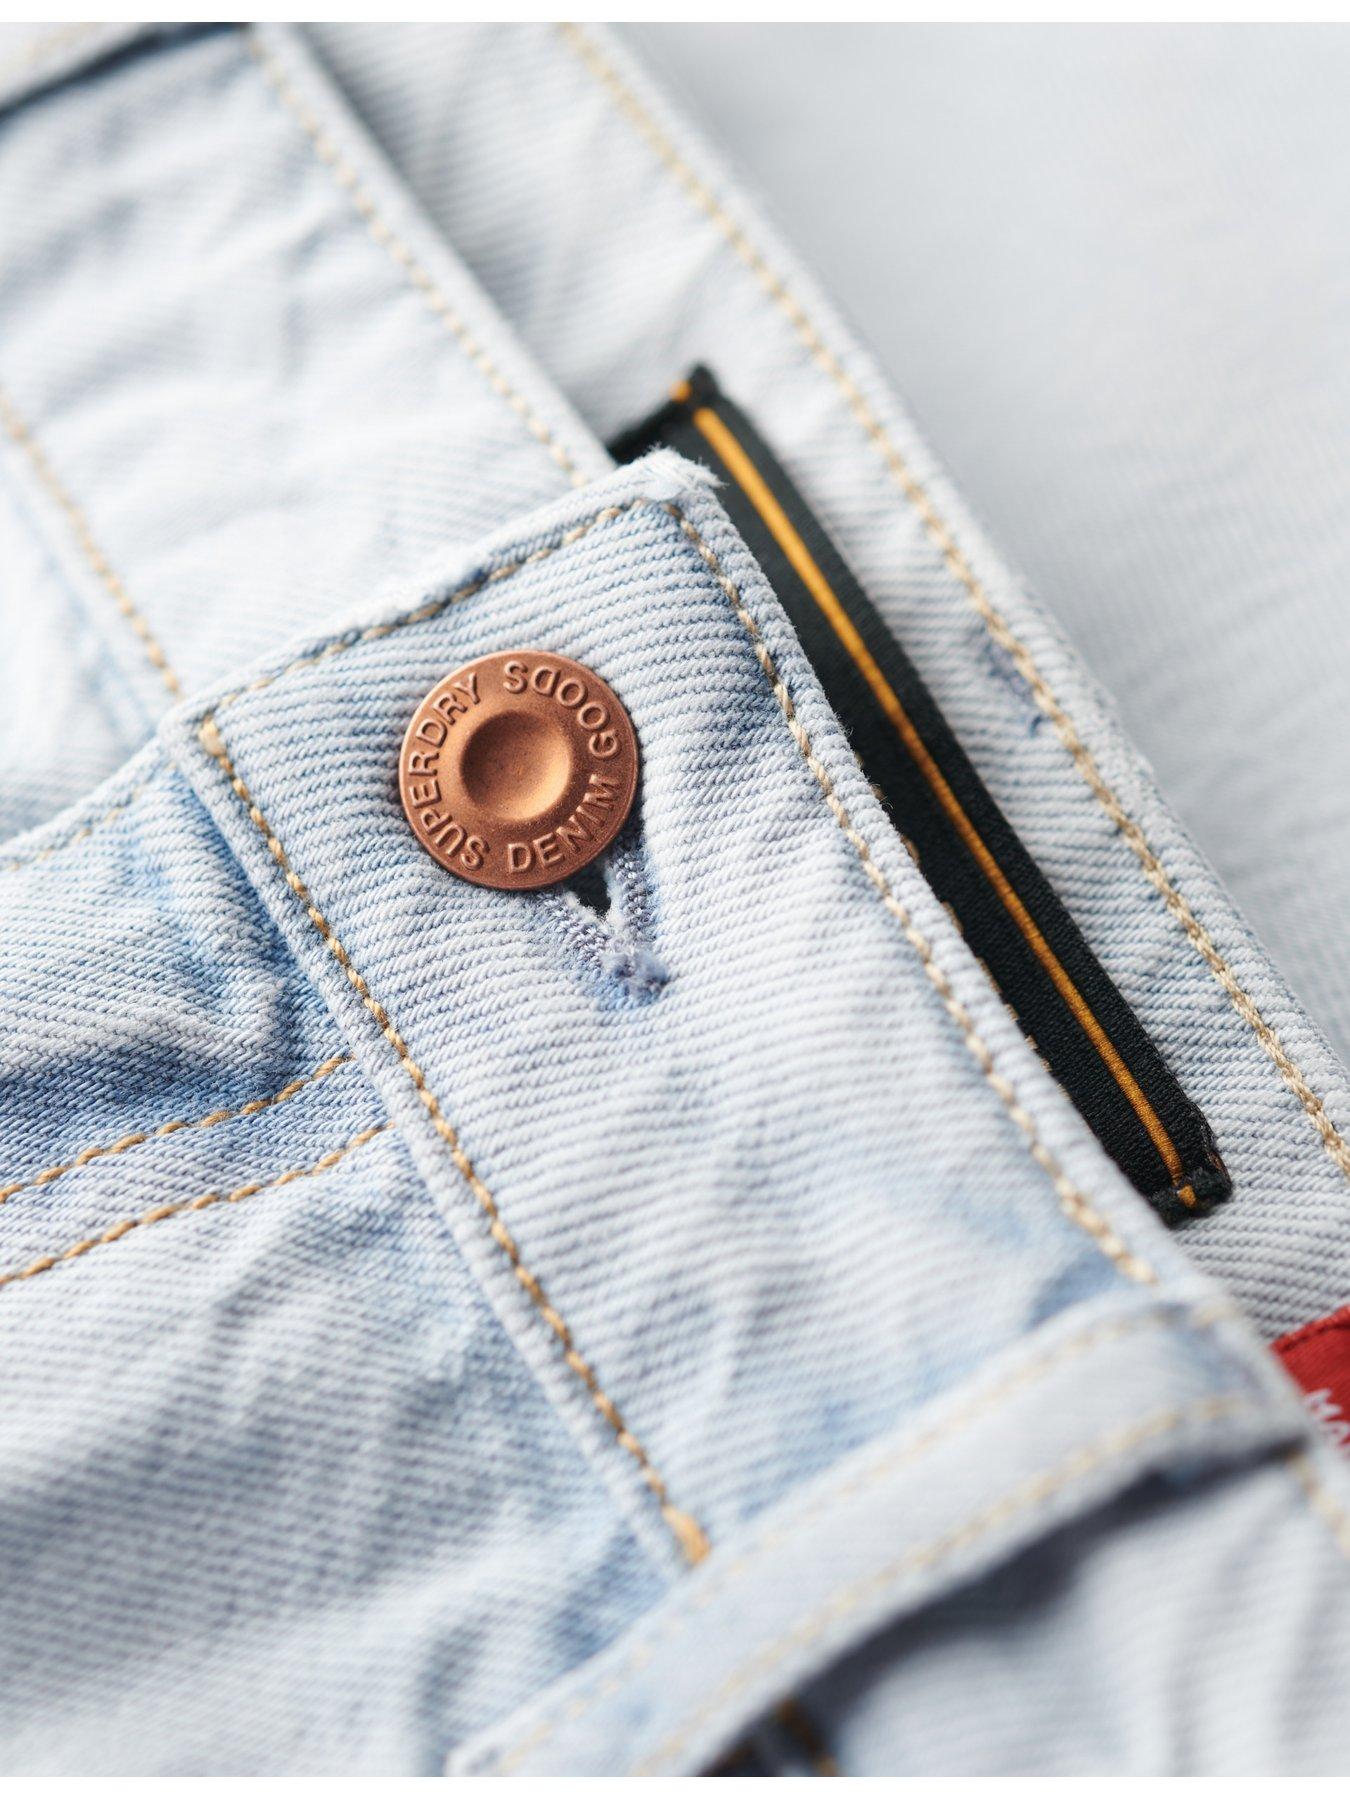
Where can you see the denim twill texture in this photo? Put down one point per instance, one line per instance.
(600, 158)
(448, 1328)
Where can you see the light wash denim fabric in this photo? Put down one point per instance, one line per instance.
(448, 1329)
(679, 270)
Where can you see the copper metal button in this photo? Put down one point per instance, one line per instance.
(518, 769)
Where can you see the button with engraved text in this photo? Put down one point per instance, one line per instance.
(518, 769)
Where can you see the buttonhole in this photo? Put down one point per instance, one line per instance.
(606, 914)
(590, 887)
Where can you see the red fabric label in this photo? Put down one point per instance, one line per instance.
(1318, 1358)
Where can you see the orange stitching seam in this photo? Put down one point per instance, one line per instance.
(1111, 1447)
(44, 45)
(1075, 1205)
(941, 536)
(19, 434)
(421, 281)
(686, 1530)
(153, 1217)
(434, 608)
(132, 1139)
(27, 862)
(1324, 1503)
(331, 155)
(824, 1504)
(765, 501)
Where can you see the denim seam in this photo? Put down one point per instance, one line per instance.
(1029, 1496)
(221, 1116)
(685, 1529)
(941, 535)
(881, 1468)
(20, 434)
(15, 864)
(1074, 1204)
(688, 1533)
(434, 608)
(200, 1204)
(1323, 1502)
(345, 174)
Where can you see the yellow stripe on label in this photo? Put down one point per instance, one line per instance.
(734, 455)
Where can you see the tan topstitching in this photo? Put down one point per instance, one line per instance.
(686, 1530)
(1324, 1502)
(18, 432)
(1037, 1491)
(690, 1535)
(1077, 1207)
(1095, 1336)
(958, 1419)
(336, 647)
(1074, 1204)
(132, 1139)
(433, 608)
(941, 535)
(178, 1208)
(42, 45)
(349, 180)
(1111, 1447)
(16, 863)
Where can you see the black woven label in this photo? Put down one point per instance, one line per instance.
(1010, 916)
